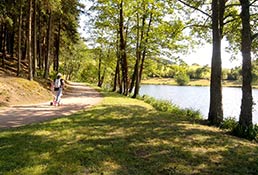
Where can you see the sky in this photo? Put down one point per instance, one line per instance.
(202, 56)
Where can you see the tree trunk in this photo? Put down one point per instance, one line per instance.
(124, 65)
(11, 38)
(245, 119)
(138, 53)
(99, 70)
(19, 40)
(216, 110)
(3, 45)
(29, 41)
(46, 73)
(117, 78)
(34, 39)
(57, 47)
(137, 87)
(40, 57)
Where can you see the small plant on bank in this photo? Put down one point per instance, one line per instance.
(166, 106)
(193, 114)
(250, 133)
(229, 124)
(160, 105)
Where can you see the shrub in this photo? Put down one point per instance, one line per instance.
(250, 132)
(229, 124)
(193, 114)
(182, 79)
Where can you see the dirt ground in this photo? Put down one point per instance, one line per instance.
(76, 97)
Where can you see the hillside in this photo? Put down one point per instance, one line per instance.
(17, 91)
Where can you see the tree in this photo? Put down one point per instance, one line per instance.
(216, 109)
(26, 34)
(245, 119)
(29, 41)
(19, 38)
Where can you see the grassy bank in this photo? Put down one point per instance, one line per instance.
(124, 136)
(199, 82)
(17, 91)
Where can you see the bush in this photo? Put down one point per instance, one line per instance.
(250, 132)
(182, 79)
(229, 124)
(193, 114)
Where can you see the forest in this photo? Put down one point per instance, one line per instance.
(128, 41)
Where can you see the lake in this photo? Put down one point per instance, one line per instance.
(198, 98)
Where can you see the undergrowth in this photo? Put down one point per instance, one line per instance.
(166, 106)
(234, 128)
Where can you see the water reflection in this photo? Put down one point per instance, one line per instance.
(198, 98)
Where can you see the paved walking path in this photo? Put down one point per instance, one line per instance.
(76, 97)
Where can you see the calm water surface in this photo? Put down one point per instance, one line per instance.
(198, 98)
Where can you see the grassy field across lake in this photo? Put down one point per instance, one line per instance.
(124, 136)
(193, 82)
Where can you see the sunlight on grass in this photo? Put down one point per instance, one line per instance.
(124, 136)
(33, 170)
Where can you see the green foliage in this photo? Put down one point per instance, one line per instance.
(229, 124)
(250, 132)
(234, 74)
(166, 106)
(123, 136)
(182, 78)
(160, 105)
(233, 126)
(255, 71)
(192, 114)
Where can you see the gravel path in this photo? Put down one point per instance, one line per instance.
(76, 97)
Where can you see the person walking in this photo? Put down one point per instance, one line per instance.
(58, 89)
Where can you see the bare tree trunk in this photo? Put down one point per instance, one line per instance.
(245, 119)
(99, 69)
(138, 55)
(216, 110)
(34, 39)
(138, 52)
(124, 65)
(57, 47)
(40, 57)
(29, 41)
(116, 75)
(3, 45)
(19, 40)
(137, 87)
(46, 73)
(117, 79)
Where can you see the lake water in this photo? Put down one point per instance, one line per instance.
(198, 98)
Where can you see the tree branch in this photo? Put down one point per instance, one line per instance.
(254, 36)
(232, 5)
(229, 21)
(196, 25)
(253, 2)
(188, 5)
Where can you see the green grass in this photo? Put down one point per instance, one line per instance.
(124, 136)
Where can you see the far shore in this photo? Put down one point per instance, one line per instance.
(193, 82)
